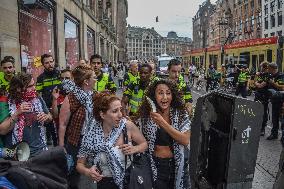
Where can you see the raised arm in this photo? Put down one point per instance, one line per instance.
(64, 117)
(181, 137)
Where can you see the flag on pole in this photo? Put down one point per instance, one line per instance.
(157, 19)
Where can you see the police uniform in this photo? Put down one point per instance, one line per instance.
(243, 82)
(185, 91)
(46, 82)
(4, 84)
(135, 92)
(130, 78)
(262, 96)
(276, 106)
(105, 82)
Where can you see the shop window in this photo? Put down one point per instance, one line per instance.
(36, 26)
(91, 42)
(72, 52)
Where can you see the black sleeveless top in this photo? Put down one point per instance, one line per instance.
(163, 138)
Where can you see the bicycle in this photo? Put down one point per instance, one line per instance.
(200, 84)
(228, 86)
(214, 85)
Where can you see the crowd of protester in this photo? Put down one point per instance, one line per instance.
(80, 111)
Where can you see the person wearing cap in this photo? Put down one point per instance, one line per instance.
(261, 95)
(243, 80)
(277, 83)
(7, 72)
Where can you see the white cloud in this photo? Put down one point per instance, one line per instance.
(174, 15)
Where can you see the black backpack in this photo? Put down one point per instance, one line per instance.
(44, 171)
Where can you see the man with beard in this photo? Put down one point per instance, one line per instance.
(46, 82)
(8, 68)
(104, 80)
(134, 92)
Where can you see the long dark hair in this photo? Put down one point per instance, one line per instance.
(177, 101)
(18, 84)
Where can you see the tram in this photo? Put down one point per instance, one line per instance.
(251, 52)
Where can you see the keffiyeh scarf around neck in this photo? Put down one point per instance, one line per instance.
(85, 98)
(94, 143)
(18, 131)
(149, 130)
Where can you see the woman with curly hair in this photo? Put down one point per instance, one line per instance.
(28, 113)
(167, 132)
(104, 143)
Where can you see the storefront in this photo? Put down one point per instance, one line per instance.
(36, 33)
(72, 41)
(91, 42)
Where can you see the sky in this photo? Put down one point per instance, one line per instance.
(174, 15)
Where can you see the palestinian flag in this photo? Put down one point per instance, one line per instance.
(4, 108)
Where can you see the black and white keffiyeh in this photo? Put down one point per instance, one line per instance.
(85, 98)
(149, 130)
(37, 108)
(94, 143)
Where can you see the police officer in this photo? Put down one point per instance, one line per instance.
(262, 94)
(243, 80)
(174, 70)
(132, 75)
(276, 83)
(8, 68)
(46, 82)
(134, 92)
(104, 80)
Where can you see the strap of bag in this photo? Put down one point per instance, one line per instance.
(125, 140)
